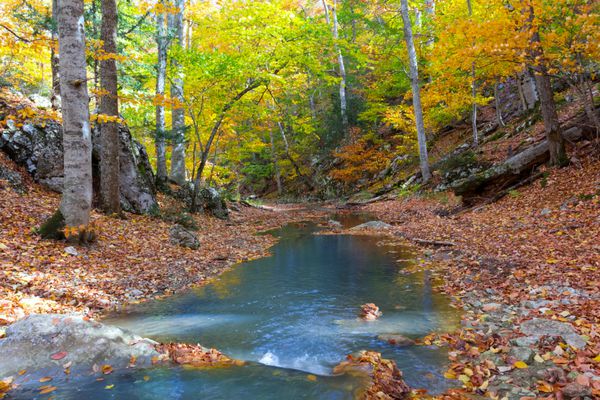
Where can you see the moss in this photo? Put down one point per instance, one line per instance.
(54, 227)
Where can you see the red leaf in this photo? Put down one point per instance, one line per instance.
(59, 356)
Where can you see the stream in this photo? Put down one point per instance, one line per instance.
(293, 316)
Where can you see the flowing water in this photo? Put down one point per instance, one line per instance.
(292, 315)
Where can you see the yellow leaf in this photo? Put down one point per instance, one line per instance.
(464, 379)
(311, 378)
(109, 387)
(597, 358)
(47, 389)
(449, 375)
(520, 365)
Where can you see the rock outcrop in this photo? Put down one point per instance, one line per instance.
(42, 341)
(39, 150)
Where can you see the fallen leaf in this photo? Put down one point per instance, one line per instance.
(59, 356)
(520, 365)
(47, 389)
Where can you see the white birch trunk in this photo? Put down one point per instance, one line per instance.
(178, 114)
(342, 66)
(416, 91)
(76, 201)
(161, 75)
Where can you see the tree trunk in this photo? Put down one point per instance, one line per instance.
(414, 80)
(109, 105)
(161, 75)
(498, 106)
(473, 91)
(558, 155)
(54, 61)
(514, 169)
(76, 200)
(524, 106)
(275, 163)
(178, 112)
(342, 66)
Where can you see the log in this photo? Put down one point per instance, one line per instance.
(433, 242)
(515, 169)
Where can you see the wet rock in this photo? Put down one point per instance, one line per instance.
(396, 340)
(370, 312)
(51, 340)
(179, 236)
(376, 225)
(538, 327)
(576, 391)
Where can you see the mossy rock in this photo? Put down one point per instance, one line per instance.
(54, 227)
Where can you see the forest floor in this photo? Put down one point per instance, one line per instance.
(535, 254)
(131, 261)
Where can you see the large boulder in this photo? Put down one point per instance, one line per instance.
(138, 192)
(208, 200)
(39, 150)
(52, 340)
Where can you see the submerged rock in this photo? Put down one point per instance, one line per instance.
(378, 225)
(179, 236)
(396, 340)
(196, 355)
(385, 379)
(52, 340)
(370, 312)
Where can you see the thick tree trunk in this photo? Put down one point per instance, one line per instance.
(109, 105)
(178, 112)
(512, 170)
(76, 200)
(558, 154)
(161, 76)
(416, 91)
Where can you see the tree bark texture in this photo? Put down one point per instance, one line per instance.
(76, 200)
(178, 113)
(109, 105)
(416, 91)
